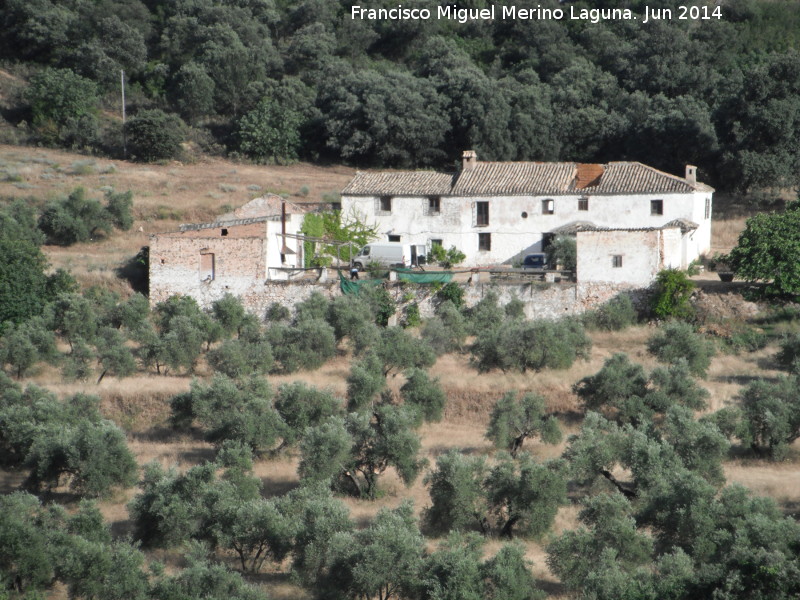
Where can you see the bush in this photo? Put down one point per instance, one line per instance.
(452, 292)
(678, 341)
(155, 135)
(671, 292)
(770, 416)
(447, 259)
(563, 251)
(73, 219)
(278, 312)
(534, 345)
(616, 314)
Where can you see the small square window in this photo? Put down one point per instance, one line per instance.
(548, 207)
(224, 232)
(434, 205)
(385, 204)
(485, 241)
(616, 261)
(394, 238)
(437, 243)
(482, 214)
(583, 204)
(656, 207)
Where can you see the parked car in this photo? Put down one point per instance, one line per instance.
(535, 261)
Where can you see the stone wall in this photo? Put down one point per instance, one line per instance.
(541, 300)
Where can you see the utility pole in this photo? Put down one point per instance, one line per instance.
(124, 140)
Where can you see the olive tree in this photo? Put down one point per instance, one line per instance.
(514, 420)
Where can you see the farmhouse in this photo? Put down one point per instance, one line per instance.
(235, 254)
(497, 212)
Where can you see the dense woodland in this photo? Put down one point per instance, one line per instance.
(278, 80)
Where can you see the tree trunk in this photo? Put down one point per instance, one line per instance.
(624, 491)
(516, 445)
(103, 374)
(508, 528)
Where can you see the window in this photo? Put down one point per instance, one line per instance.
(482, 214)
(394, 238)
(224, 232)
(436, 243)
(385, 205)
(434, 205)
(708, 208)
(548, 207)
(524, 214)
(616, 261)
(206, 266)
(485, 241)
(656, 207)
(583, 204)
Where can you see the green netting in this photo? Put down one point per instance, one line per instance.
(425, 277)
(354, 287)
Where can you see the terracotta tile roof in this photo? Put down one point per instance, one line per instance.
(514, 178)
(587, 175)
(400, 183)
(523, 178)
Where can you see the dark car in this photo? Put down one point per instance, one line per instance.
(535, 261)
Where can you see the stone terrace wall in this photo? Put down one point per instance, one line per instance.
(541, 300)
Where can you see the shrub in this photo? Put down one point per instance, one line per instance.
(671, 292)
(515, 309)
(452, 292)
(155, 135)
(278, 312)
(616, 314)
(447, 259)
(563, 251)
(678, 341)
(446, 331)
(535, 345)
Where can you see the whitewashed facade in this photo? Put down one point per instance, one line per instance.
(497, 212)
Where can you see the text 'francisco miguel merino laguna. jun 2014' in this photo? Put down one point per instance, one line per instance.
(504, 12)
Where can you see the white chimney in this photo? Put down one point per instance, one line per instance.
(470, 159)
(691, 174)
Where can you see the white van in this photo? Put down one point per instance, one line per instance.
(388, 254)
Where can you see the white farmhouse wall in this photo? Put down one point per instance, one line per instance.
(514, 235)
(639, 255)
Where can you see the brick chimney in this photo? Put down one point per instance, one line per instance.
(470, 159)
(691, 174)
